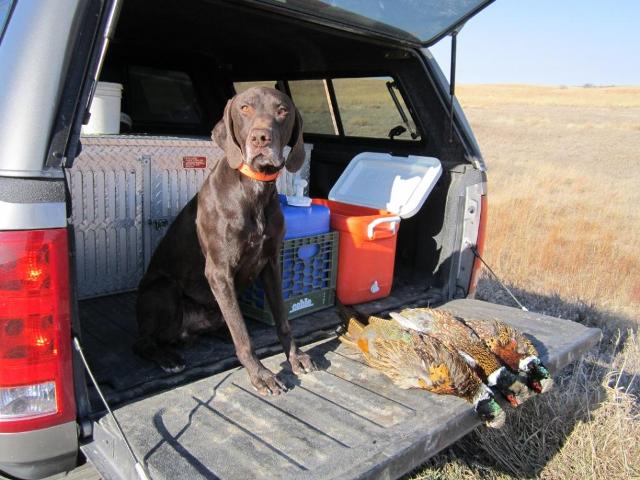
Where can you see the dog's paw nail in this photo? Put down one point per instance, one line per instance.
(173, 369)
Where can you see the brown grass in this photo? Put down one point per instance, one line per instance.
(564, 194)
(564, 232)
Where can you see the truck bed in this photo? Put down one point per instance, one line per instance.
(344, 421)
(109, 329)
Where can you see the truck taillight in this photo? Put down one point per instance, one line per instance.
(482, 229)
(36, 382)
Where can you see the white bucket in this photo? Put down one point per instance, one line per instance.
(105, 110)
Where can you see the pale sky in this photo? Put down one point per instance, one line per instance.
(552, 42)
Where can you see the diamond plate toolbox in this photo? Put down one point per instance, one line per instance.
(125, 192)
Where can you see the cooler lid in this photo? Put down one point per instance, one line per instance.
(399, 185)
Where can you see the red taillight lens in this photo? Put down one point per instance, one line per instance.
(482, 230)
(36, 383)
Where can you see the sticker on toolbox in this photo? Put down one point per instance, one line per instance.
(194, 162)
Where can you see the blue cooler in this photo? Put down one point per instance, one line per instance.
(304, 221)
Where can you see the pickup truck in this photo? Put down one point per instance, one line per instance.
(80, 216)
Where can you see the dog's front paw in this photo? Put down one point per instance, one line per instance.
(171, 362)
(301, 363)
(266, 383)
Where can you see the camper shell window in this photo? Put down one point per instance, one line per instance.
(163, 97)
(364, 107)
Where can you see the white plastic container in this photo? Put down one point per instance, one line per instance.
(285, 182)
(105, 110)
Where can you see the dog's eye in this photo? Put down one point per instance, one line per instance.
(282, 111)
(245, 108)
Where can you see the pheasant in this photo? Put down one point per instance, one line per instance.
(461, 338)
(412, 360)
(514, 350)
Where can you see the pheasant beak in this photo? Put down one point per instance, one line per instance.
(513, 400)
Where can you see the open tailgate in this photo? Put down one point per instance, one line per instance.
(345, 421)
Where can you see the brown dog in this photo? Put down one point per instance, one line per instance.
(225, 237)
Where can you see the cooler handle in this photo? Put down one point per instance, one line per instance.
(374, 223)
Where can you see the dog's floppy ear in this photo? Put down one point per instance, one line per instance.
(225, 138)
(295, 159)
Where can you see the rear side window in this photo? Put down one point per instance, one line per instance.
(310, 98)
(368, 108)
(5, 10)
(163, 97)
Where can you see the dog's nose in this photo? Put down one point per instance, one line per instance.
(260, 137)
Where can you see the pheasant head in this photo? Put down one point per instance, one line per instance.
(487, 409)
(515, 350)
(539, 377)
(512, 387)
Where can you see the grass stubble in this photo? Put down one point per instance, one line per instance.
(564, 232)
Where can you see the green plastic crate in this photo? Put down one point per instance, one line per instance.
(309, 267)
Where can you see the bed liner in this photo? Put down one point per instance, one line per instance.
(109, 330)
(344, 421)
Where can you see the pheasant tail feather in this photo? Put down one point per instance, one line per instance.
(352, 333)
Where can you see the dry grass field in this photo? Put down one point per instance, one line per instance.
(564, 232)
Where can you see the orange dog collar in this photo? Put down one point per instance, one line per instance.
(262, 177)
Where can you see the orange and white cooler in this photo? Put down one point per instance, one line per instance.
(367, 203)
